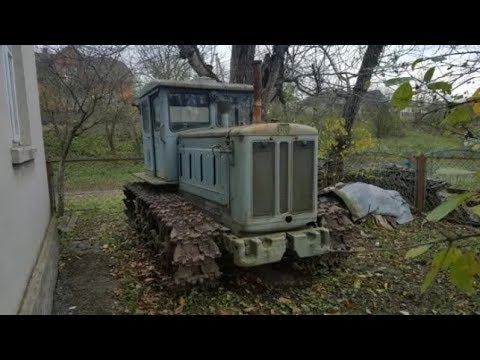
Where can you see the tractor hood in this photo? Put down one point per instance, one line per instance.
(264, 129)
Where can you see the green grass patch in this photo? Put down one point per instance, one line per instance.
(91, 144)
(100, 175)
(416, 143)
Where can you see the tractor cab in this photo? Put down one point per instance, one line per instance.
(170, 107)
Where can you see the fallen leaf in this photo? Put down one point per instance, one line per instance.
(224, 312)
(357, 284)
(380, 220)
(364, 234)
(295, 310)
(178, 310)
(283, 300)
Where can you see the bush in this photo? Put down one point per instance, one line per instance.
(385, 122)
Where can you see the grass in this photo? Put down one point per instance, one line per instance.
(93, 143)
(99, 175)
(459, 172)
(377, 282)
(415, 143)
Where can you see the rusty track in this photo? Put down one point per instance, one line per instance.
(186, 239)
(183, 236)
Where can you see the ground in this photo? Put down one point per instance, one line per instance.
(104, 269)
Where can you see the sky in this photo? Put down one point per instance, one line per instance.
(417, 52)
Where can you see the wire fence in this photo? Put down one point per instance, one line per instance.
(458, 167)
(93, 175)
(424, 181)
(421, 180)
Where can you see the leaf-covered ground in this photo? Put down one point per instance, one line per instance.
(120, 278)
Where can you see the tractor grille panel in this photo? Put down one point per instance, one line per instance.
(303, 162)
(263, 178)
(283, 180)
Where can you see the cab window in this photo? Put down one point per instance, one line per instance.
(188, 110)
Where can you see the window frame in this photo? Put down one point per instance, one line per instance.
(11, 91)
(188, 92)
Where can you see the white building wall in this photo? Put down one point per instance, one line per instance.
(24, 197)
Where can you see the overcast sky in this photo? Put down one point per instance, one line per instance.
(418, 51)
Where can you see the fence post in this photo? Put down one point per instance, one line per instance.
(420, 182)
(51, 190)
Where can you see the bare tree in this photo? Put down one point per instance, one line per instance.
(241, 60)
(76, 82)
(117, 115)
(161, 62)
(342, 142)
(350, 110)
(192, 54)
(273, 73)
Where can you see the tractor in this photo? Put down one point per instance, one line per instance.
(219, 181)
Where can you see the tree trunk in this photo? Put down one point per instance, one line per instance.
(60, 177)
(60, 187)
(135, 136)
(241, 71)
(369, 62)
(194, 58)
(110, 132)
(272, 73)
(334, 163)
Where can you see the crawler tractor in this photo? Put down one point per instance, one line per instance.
(219, 181)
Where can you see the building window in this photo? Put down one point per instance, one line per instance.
(11, 92)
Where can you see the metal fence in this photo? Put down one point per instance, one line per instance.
(456, 166)
(93, 175)
(419, 179)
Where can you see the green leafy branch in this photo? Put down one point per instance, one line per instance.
(461, 266)
(458, 114)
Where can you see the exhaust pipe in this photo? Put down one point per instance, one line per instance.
(257, 92)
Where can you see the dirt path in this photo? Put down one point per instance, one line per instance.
(84, 284)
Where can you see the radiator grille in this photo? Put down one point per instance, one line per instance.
(283, 180)
(263, 178)
(303, 160)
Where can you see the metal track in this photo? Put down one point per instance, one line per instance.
(186, 238)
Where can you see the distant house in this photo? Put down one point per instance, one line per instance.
(329, 102)
(28, 249)
(417, 109)
(69, 62)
